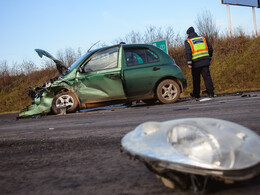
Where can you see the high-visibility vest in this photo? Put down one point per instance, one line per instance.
(199, 47)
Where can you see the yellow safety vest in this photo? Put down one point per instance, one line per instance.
(199, 47)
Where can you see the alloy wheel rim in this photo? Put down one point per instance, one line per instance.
(64, 101)
(169, 92)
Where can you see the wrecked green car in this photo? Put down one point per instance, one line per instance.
(117, 74)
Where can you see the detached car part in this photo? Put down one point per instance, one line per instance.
(186, 151)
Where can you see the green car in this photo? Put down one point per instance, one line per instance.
(110, 75)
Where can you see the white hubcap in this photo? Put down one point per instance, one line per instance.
(64, 101)
(169, 91)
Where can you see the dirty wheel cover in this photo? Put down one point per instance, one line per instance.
(64, 100)
(168, 91)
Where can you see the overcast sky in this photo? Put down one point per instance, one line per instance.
(55, 25)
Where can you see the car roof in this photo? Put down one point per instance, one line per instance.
(124, 45)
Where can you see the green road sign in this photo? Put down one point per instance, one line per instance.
(162, 45)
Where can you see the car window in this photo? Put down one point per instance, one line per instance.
(151, 56)
(103, 60)
(138, 56)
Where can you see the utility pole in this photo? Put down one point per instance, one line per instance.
(254, 18)
(229, 21)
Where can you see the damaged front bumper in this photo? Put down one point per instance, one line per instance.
(41, 104)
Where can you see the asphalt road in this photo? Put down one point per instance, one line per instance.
(80, 153)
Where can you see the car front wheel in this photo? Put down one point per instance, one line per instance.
(66, 101)
(168, 91)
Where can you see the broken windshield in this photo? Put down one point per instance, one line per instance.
(76, 63)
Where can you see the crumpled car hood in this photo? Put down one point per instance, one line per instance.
(59, 64)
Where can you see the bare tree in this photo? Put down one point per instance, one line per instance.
(28, 67)
(132, 37)
(151, 34)
(206, 26)
(239, 32)
(68, 56)
(5, 77)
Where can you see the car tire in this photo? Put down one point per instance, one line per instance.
(64, 100)
(168, 91)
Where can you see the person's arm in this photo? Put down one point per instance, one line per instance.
(210, 48)
(188, 53)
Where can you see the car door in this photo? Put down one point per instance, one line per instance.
(100, 79)
(141, 72)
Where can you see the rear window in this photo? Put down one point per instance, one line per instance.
(138, 56)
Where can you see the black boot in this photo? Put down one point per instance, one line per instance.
(195, 96)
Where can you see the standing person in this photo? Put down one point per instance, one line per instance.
(199, 52)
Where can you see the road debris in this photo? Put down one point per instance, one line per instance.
(189, 152)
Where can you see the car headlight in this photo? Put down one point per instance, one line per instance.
(200, 142)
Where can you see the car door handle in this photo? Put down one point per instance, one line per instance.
(112, 75)
(155, 69)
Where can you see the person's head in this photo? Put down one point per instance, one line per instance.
(190, 30)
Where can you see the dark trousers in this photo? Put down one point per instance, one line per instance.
(204, 71)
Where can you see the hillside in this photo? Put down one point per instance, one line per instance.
(235, 68)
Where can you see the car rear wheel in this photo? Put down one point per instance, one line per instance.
(168, 91)
(66, 101)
